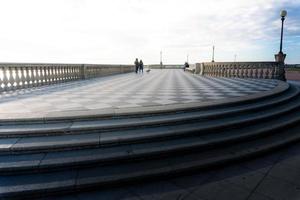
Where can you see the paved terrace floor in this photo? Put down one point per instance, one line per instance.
(159, 87)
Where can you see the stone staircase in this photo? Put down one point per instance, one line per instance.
(41, 157)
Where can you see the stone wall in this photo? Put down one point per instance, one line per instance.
(26, 75)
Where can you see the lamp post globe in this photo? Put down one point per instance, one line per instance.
(283, 13)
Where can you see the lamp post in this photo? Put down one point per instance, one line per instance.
(213, 55)
(161, 63)
(280, 57)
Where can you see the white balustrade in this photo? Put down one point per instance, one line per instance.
(15, 76)
(265, 70)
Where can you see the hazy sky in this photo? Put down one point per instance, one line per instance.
(118, 31)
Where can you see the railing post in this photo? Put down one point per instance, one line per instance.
(83, 72)
(281, 72)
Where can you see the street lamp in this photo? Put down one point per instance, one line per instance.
(213, 54)
(281, 56)
(161, 63)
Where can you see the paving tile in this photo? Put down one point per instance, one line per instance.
(239, 176)
(284, 172)
(161, 190)
(278, 189)
(220, 190)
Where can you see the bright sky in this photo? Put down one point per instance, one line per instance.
(118, 31)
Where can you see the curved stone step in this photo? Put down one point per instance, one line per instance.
(107, 154)
(40, 184)
(67, 128)
(57, 143)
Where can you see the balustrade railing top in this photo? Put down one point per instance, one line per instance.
(25, 75)
(267, 70)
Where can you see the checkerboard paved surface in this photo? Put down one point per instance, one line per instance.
(159, 87)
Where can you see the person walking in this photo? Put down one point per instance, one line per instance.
(186, 65)
(136, 63)
(141, 66)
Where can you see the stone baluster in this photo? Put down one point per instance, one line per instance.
(11, 79)
(22, 78)
(50, 72)
(65, 73)
(243, 70)
(55, 80)
(223, 71)
(60, 73)
(63, 76)
(261, 72)
(226, 71)
(17, 79)
(27, 72)
(5, 79)
(251, 72)
(45, 71)
(40, 69)
(256, 71)
(267, 73)
(68, 73)
(273, 72)
(57, 74)
(32, 76)
(71, 72)
(1, 79)
(75, 72)
(35, 76)
(239, 70)
(38, 76)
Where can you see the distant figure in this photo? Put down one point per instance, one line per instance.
(186, 65)
(141, 66)
(136, 63)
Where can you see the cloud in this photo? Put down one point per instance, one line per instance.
(117, 31)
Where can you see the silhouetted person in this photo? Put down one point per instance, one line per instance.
(136, 63)
(141, 66)
(186, 65)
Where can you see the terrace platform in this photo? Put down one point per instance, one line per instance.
(157, 90)
(159, 135)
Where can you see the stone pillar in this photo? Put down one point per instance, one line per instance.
(281, 72)
(83, 72)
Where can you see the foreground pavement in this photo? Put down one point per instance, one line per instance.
(272, 177)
